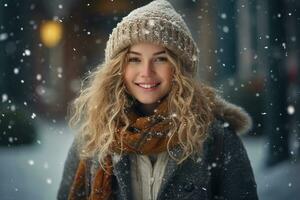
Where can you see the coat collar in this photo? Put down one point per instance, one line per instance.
(170, 170)
(121, 169)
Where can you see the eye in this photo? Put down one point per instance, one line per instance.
(161, 59)
(134, 60)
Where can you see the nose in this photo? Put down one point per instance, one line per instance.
(146, 69)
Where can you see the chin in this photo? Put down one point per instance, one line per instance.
(148, 101)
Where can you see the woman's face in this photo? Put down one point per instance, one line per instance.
(148, 73)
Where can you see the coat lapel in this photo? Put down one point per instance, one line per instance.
(170, 170)
(121, 169)
(190, 173)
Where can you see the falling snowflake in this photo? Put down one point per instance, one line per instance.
(223, 16)
(11, 140)
(3, 36)
(291, 110)
(33, 115)
(4, 98)
(27, 52)
(16, 71)
(13, 108)
(38, 77)
(225, 124)
(30, 162)
(49, 180)
(225, 29)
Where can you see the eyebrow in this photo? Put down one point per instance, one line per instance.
(157, 53)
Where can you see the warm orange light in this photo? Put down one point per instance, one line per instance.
(51, 33)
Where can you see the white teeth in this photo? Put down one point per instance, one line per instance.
(147, 85)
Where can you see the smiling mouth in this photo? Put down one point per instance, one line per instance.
(147, 86)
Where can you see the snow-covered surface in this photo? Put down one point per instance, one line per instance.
(281, 182)
(34, 172)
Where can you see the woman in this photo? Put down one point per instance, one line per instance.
(147, 128)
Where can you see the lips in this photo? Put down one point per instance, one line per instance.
(147, 85)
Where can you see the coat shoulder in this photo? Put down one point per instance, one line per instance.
(231, 116)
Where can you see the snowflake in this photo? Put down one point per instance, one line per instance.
(225, 29)
(4, 98)
(30, 162)
(38, 77)
(27, 52)
(291, 110)
(3, 36)
(49, 180)
(223, 16)
(33, 115)
(225, 124)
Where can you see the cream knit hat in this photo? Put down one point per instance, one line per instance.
(158, 23)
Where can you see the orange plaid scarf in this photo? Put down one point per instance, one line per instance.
(146, 135)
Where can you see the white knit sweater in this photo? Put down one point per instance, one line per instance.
(146, 178)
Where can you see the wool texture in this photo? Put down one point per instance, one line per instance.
(146, 135)
(156, 23)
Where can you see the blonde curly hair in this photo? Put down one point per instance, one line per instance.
(99, 108)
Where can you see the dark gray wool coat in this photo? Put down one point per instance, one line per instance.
(223, 171)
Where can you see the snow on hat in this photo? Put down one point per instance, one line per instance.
(157, 23)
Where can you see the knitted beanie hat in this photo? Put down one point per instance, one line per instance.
(157, 23)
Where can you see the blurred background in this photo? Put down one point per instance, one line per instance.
(249, 52)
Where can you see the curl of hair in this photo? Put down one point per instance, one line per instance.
(193, 104)
(103, 99)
